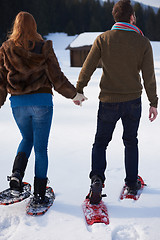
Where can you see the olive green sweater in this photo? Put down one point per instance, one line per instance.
(123, 55)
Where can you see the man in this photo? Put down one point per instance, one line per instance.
(124, 52)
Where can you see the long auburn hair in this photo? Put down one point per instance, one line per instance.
(24, 32)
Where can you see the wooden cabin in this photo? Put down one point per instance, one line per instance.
(80, 47)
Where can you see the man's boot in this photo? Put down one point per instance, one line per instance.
(95, 194)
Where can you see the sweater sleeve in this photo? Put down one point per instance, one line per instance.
(59, 81)
(148, 75)
(89, 66)
(3, 79)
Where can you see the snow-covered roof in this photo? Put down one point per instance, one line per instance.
(84, 39)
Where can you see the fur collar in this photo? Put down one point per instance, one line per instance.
(23, 60)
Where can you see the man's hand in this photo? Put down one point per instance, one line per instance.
(152, 113)
(79, 98)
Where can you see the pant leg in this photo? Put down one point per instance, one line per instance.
(24, 122)
(42, 118)
(130, 122)
(108, 115)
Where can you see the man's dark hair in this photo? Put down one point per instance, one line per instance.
(122, 11)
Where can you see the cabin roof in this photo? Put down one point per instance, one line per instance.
(83, 40)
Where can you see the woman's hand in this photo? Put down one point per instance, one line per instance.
(79, 98)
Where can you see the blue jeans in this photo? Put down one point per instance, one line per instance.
(108, 115)
(34, 123)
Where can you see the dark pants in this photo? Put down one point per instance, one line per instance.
(108, 115)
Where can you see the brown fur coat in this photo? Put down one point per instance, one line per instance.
(24, 72)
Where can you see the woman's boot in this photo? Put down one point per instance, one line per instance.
(39, 191)
(18, 170)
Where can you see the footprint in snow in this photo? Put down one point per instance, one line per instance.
(127, 232)
(8, 226)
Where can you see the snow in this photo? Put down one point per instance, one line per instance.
(70, 144)
(84, 39)
(152, 3)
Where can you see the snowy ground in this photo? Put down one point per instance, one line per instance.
(70, 145)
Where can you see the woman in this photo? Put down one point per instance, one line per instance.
(28, 71)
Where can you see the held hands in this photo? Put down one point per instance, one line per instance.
(152, 113)
(79, 98)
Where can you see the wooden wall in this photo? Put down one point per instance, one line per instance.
(78, 56)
